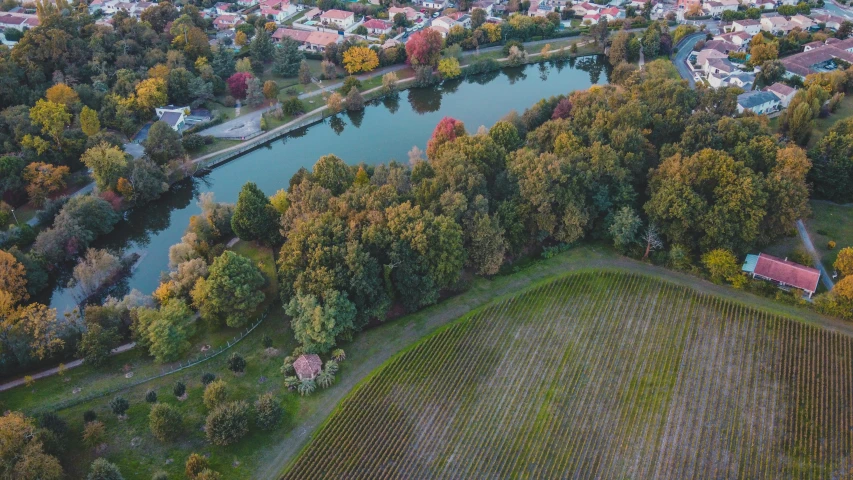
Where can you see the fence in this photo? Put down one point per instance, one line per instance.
(181, 366)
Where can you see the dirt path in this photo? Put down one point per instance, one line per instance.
(380, 344)
(807, 242)
(55, 370)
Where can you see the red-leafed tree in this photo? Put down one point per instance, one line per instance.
(446, 131)
(424, 48)
(563, 109)
(238, 84)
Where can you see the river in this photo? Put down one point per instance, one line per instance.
(385, 130)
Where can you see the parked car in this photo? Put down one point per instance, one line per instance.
(423, 10)
(436, 14)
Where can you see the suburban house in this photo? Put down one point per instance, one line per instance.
(721, 46)
(444, 22)
(744, 80)
(591, 19)
(699, 61)
(717, 7)
(611, 13)
(173, 115)
(274, 14)
(410, 13)
(318, 41)
(801, 21)
(539, 8)
(461, 18)
(739, 39)
(435, 4)
(749, 26)
(299, 35)
(227, 22)
(18, 21)
(378, 27)
(487, 5)
(776, 24)
(758, 101)
(247, 3)
(441, 30)
(308, 366)
(222, 8)
(819, 58)
(311, 14)
(831, 21)
(341, 18)
(782, 272)
(585, 8)
(783, 92)
(763, 4)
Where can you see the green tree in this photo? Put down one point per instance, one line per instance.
(478, 17)
(722, 265)
(147, 181)
(332, 173)
(506, 135)
(96, 343)
(11, 173)
(215, 394)
(163, 144)
(304, 73)
(108, 164)
(318, 322)
(52, 118)
(832, 174)
(268, 412)
(168, 330)
(231, 292)
(89, 122)
(165, 422)
(619, 48)
(487, 246)
(254, 216)
(119, 405)
(227, 424)
(625, 227)
(262, 48)
(101, 469)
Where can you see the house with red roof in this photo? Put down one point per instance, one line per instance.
(318, 41)
(308, 366)
(611, 13)
(378, 27)
(586, 8)
(300, 36)
(227, 22)
(784, 273)
(342, 18)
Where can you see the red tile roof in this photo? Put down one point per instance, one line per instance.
(307, 366)
(789, 273)
(336, 14)
(376, 23)
(298, 35)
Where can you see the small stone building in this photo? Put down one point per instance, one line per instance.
(308, 366)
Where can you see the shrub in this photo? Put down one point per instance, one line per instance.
(215, 394)
(119, 405)
(53, 422)
(151, 396)
(266, 341)
(93, 433)
(801, 255)
(332, 366)
(512, 43)
(228, 423)
(338, 355)
(89, 416)
(268, 412)
(831, 245)
(291, 383)
(292, 106)
(207, 377)
(192, 142)
(236, 363)
(179, 389)
(307, 387)
(350, 83)
(195, 464)
(208, 474)
(287, 365)
(165, 422)
(325, 379)
(101, 469)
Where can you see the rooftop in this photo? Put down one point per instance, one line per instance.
(336, 14)
(307, 366)
(789, 273)
(781, 89)
(755, 98)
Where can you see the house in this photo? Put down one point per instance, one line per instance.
(341, 18)
(792, 3)
(721, 46)
(173, 115)
(308, 366)
(819, 59)
(275, 15)
(775, 24)
(585, 8)
(487, 5)
(299, 35)
(378, 27)
(699, 61)
(410, 13)
(763, 4)
(222, 8)
(758, 101)
(247, 3)
(752, 27)
(782, 272)
(461, 18)
(591, 19)
(783, 92)
(441, 30)
(717, 7)
(318, 41)
(812, 45)
(611, 13)
(719, 66)
(311, 14)
(640, 4)
(18, 21)
(539, 8)
(738, 39)
(444, 22)
(801, 21)
(227, 22)
(435, 4)
(831, 21)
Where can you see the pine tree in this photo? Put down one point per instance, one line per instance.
(287, 59)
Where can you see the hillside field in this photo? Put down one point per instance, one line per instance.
(604, 375)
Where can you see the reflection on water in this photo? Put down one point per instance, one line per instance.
(387, 129)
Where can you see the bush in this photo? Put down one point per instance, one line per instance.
(215, 394)
(89, 416)
(349, 83)
(179, 389)
(161, 475)
(268, 412)
(195, 465)
(512, 43)
(229, 101)
(307, 387)
(151, 396)
(165, 422)
(208, 474)
(119, 405)
(94, 433)
(207, 377)
(266, 341)
(292, 106)
(236, 363)
(831, 245)
(228, 423)
(338, 355)
(801, 255)
(101, 469)
(291, 383)
(192, 142)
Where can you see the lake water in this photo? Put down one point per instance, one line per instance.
(385, 130)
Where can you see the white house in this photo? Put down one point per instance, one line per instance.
(539, 8)
(435, 4)
(341, 18)
(801, 21)
(487, 5)
(221, 8)
(410, 13)
(585, 8)
(775, 24)
(444, 22)
(173, 116)
(758, 101)
(378, 27)
(783, 92)
(717, 7)
(611, 13)
(318, 41)
(752, 27)
(831, 21)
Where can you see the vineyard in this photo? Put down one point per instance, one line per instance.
(601, 375)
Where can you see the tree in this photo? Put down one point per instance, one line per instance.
(844, 30)
(236, 363)
(223, 63)
(238, 84)
(240, 39)
(168, 330)
(354, 101)
(844, 262)
(332, 173)
(424, 48)
(516, 56)
(119, 405)
(151, 93)
(447, 130)
(165, 422)
(254, 92)
(215, 394)
(43, 180)
(195, 465)
(163, 144)
(270, 91)
(599, 32)
(318, 321)
(11, 173)
(763, 52)
(389, 82)
(360, 59)
(89, 122)
(261, 48)
(52, 118)
(13, 278)
(288, 59)
(449, 68)
(179, 389)
(62, 94)
(108, 163)
(619, 48)
(771, 72)
(328, 69)
(478, 17)
(227, 424)
(94, 433)
(487, 246)
(832, 174)
(624, 228)
(651, 238)
(21, 453)
(268, 412)
(843, 290)
(147, 181)
(231, 292)
(254, 216)
(101, 469)
(722, 265)
(304, 73)
(96, 343)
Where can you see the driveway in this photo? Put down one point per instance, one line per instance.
(685, 48)
(241, 128)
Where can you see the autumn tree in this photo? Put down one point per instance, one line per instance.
(108, 163)
(763, 52)
(238, 84)
(89, 122)
(96, 343)
(270, 91)
(165, 422)
(101, 469)
(151, 93)
(162, 144)
(449, 68)
(53, 118)
(228, 423)
(43, 180)
(304, 73)
(360, 59)
(424, 48)
(62, 94)
(254, 216)
(165, 332)
(13, 278)
(21, 453)
(332, 173)
(447, 130)
(844, 262)
(722, 265)
(231, 292)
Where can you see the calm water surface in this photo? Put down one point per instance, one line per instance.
(385, 130)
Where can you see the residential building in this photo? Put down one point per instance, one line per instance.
(173, 115)
(443, 31)
(801, 21)
(342, 18)
(783, 92)
(247, 3)
(318, 41)
(487, 5)
(721, 46)
(18, 21)
(539, 8)
(719, 66)
(410, 13)
(299, 35)
(775, 24)
(585, 8)
(831, 21)
(763, 4)
(612, 13)
(752, 27)
(273, 14)
(820, 59)
(378, 27)
(591, 19)
(444, 22)
(782, 272)
(738, 39)
(435, 4)
(461, 18)
(227, 22)
(221, 8)
(758, 101)
(717, 7)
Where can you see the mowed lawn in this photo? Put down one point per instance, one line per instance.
(830, 221)
(601, 375)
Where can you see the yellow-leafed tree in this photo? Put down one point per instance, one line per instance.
(360, 59)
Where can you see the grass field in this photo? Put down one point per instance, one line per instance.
(603, 375)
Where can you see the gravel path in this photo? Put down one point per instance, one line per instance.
(807, 242)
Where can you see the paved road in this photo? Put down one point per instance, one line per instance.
(55, 370)
(244, 126)
(833, 8)
(807, 242)
(685, 48)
